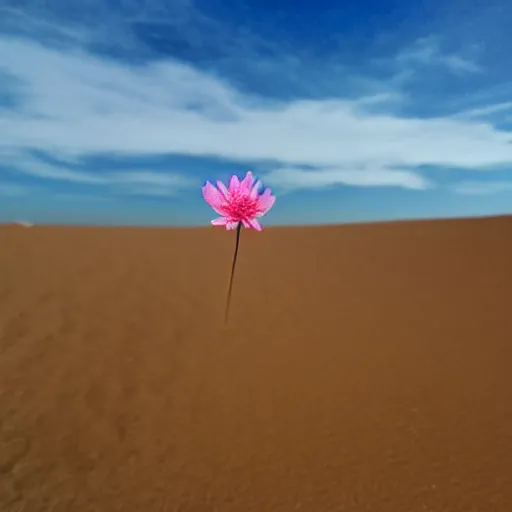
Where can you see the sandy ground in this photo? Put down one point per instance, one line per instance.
(365, 368)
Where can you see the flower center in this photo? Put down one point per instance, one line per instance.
(242, 207)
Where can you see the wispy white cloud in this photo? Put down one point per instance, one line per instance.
(126, 181)
(459, 64)
(296, 178)
(75, 104)
(28, 23)
(149, 183)
(151, 178)
(488, 110)
(480, 188)
(13, 190)
(39, 169)
(427, 52)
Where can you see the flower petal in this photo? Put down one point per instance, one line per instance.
(234, 183)
(220, 221)
(223, 189)
(254, 224)
(231, 225)
(246, 184)
(265, 202)
(254, 191)
(213, 197)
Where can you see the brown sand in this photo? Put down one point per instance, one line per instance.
(365, 368)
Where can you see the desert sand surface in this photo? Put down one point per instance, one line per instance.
(364, 368)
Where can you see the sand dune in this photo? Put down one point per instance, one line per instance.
(365, 368)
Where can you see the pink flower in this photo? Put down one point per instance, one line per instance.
(240, 202)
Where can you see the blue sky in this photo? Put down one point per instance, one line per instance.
(117, 111)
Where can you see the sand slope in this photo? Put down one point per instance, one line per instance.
(365, 368)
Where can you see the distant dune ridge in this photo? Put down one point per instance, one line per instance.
(364, 368)
(24, 223)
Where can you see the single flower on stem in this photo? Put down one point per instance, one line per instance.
(239, 204)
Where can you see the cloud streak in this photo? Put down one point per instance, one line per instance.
(479, 188)
(295, 178)
(132, 182)
(427, 52)
(13, 190)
